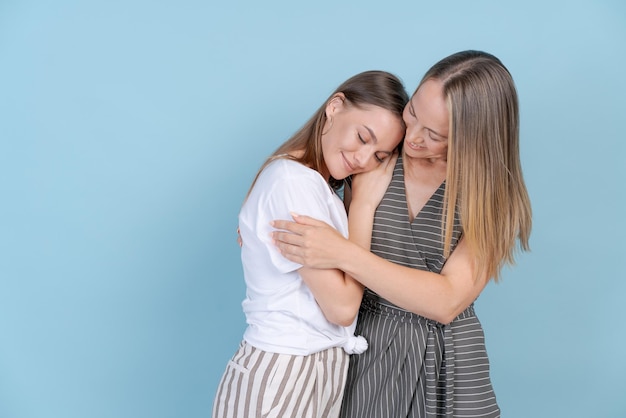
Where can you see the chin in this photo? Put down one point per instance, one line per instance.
(412, 153)
(340, 175)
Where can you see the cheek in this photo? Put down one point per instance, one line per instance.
(349, 142)
(329, 141)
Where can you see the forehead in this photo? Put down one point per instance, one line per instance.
(430, 105)
(429, 90)
(372, 115)
(382, 124)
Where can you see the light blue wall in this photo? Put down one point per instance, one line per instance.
(130, 131)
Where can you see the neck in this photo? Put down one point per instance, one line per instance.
(420, 167)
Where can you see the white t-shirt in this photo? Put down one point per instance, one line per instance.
(282, 314)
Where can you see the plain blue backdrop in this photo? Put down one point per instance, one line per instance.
(131, 130)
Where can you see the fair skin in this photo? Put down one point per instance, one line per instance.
(359, 140)
(441, 297)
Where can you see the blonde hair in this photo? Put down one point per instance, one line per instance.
(376, 88)
(484, 179)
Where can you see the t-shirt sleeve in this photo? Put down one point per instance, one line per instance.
(302, 194)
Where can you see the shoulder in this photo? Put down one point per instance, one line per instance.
(287, 179)
(285, 171)
(285, 165)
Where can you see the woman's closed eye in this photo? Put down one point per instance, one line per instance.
(434, 136)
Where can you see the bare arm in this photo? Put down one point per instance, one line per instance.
(338, 296)
(440, 297)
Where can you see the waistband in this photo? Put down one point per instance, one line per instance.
(374, 304)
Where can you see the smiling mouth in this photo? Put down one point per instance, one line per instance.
(350, 166)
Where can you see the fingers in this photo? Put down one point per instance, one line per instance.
(288, 250)
(299, 224)
(288, 226)
(282, 239)
(291, 256)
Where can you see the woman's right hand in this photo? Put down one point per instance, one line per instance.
(310, 242)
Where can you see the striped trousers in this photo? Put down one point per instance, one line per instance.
(259, 384)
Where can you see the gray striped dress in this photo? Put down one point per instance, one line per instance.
(416, 367)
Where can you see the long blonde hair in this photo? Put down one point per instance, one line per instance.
(377, 88)
(484, 180)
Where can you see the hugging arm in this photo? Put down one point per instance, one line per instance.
(281, 187)
(339, 294)
(440, 297)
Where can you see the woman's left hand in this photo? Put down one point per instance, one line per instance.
(368, 188)
(310, 242)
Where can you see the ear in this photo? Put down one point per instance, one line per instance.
(335, 104)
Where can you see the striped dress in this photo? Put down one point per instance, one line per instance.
(416, 367)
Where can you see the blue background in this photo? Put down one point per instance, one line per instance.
(131, 130)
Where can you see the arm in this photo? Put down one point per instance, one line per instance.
(440, 297)
(339, 295)
(283, 186)
(366, 193)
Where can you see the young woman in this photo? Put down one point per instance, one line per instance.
(294, 355)
(452, 216)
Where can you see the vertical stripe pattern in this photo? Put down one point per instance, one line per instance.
(259, 384)
(415, 367)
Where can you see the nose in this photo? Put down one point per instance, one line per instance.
(414, 135)
(364, 157)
